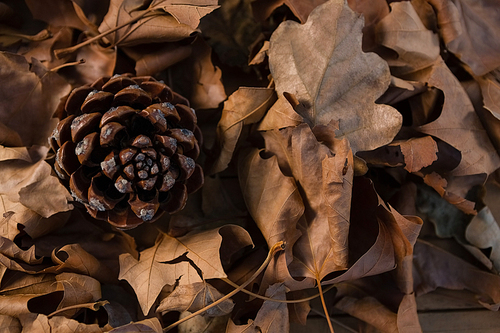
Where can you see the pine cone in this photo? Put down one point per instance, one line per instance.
(126, 148)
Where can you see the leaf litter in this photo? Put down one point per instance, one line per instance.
(345, 139)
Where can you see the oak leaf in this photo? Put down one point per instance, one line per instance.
(187, 259)
(322, 64)
(188, 12)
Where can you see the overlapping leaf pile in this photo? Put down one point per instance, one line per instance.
(352, 128)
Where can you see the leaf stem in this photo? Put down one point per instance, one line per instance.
(280, 246)
(327, 316)
(92, 306)
(288, 301)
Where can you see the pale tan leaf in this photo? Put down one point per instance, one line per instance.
(189, 12)
(262, 9)
(151, 325)
(483, 231)
(322, 64)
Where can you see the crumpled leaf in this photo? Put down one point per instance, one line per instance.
(272, 316)
(245, 106)
(29, 90)
(193, 297)
(469, 29)
(157, 27)
(282, 114)
(483, 231)
(322, 64)
(324, 172)
(262, 9)
(188, 259)
(30, 192)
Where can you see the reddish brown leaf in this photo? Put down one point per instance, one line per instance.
(262, 9)
(56, 13)
(188, 12)
(322, 64)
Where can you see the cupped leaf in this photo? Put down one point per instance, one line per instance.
(322, 64)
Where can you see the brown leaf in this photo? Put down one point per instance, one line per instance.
(483, 231)
(151, 325)
(188, 12)
(281, 114)
(58, 324)
(403, 31)
(469, 29)
(29, 191)
(56, 13)
(458, 124)
(183, 258)
(325, 177)
(29, 90)
(157, 27)
(245, 106)
(373, 12)
(193, 297)
(99, 62)
(262, 9)
(322, 64)
(438, 268)
(272, 199)
(272, 316)
(418, 152)
(10, 324)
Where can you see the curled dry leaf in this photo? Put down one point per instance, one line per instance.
(188, 12)
(29, 90)
(193, 297)
(484, 232)
(245, 106)
(322, 64)
(272, 316)
(469, 29)
(187, 259)
(58, 324)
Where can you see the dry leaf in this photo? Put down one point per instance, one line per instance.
(469, 29)
(438, 268)
(272, 316)
(99, 62)
(58, 13)
(10, 324)
(325, 177)
(281, 114)
(151, 325)
(483, 231)
(403, 31)
(188, 12)
(245, 106)
(157, 27)
(30, 192)
(262, 9)
(29, 90)
(193, 297)
(322, 64)
(183, 259)
(57, 324)
(459, 126)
